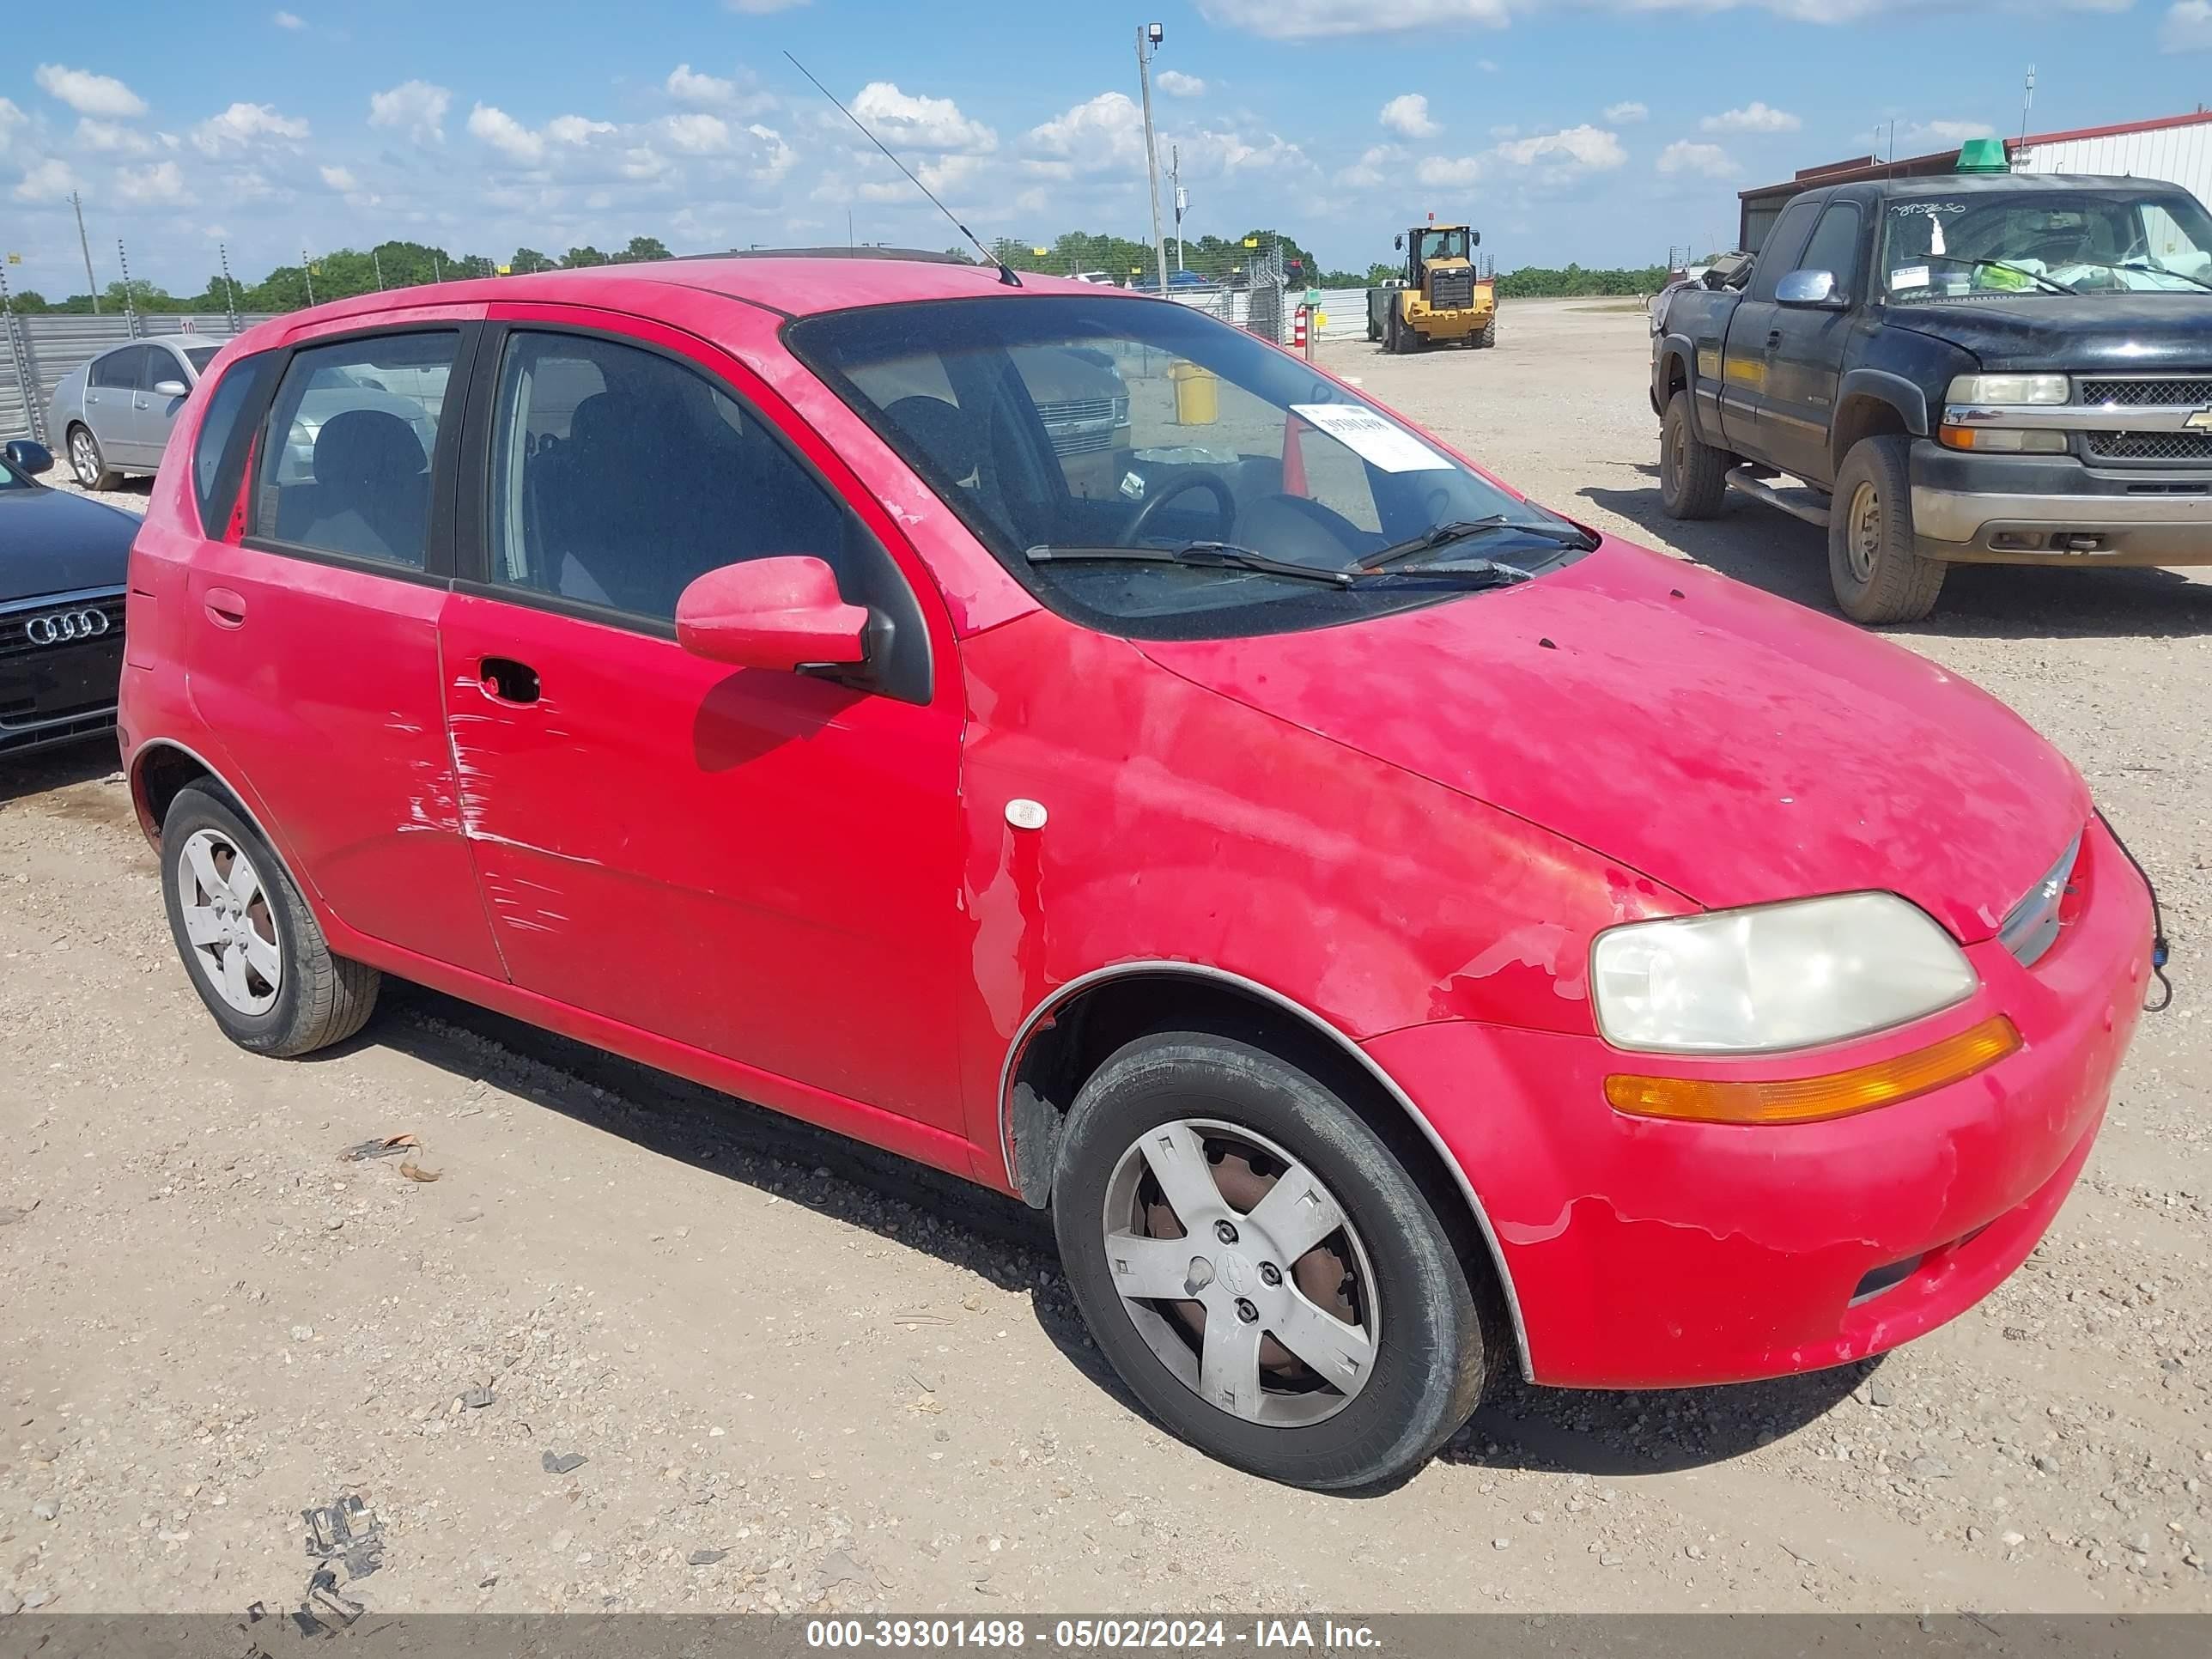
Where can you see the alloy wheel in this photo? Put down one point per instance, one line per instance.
(83, 457)
(227, 921)
(1243, 1272)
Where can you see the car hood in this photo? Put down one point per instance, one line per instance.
(1735, 747)
(2114, 332)
(52, 542)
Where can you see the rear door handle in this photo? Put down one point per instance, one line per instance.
(225, 609)
(1773, 337)
(505, 680)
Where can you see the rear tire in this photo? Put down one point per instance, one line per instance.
(1488, 338)
(1873, 566)
(1693, 474)
(250, 945)
(88, 462)
(1405, 1352)
(1394, 332)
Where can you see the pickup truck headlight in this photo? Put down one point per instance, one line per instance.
(1774, 976)
(2010, 389)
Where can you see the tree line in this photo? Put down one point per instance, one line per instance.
(345, 273)
(338, 274)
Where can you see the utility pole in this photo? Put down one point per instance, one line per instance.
(130, 309)
(307, 271)
(1179, 196)
(2027, 102)
(376, 261)
(90, 281)
(230, 288)
(1148, 38)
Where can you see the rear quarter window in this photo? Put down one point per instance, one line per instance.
(219, 451)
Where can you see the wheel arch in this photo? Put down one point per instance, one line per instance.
(1871, 403)
(162, 769)
(1073, 1032)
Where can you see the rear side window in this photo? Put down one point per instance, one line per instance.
(218, 452)
(345, 460)
(119, 371)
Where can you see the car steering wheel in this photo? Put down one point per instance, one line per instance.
(1205, 481)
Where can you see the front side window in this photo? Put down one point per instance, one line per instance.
(1835, 246)
(619, 476)
(1233, 455)
(345, 460)
(2028, 242)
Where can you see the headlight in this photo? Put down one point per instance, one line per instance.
(1775, 976)
(2010, 389)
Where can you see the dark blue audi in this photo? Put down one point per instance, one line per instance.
(63, 564)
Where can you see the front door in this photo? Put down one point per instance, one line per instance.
(1805, 364)
(760, 865)
(1752, 334)
(312, 646)
(154, 413)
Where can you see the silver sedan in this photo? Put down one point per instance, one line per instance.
(113, 414)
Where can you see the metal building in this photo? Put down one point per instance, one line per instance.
(2177, 148)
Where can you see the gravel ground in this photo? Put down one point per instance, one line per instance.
(800, 1375)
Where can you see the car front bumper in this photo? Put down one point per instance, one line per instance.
(1650, 1253)
(2036, 509)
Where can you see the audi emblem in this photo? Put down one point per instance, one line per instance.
(60, 627)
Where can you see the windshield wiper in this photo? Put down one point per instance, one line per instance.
(1998, 264)
(2154, 271)
(1227, 556)
(1198, 554)
(1457, 530)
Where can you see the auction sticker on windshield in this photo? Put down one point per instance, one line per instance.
(1372, 437)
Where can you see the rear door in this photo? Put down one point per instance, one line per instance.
(759, 865)
(1752, 334)
(1806, 364)
(312, 640)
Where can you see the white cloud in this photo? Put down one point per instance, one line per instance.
(1945, 132)
(1585, 146)
(1376, 166)
(340, 179)
(1630, 111)
(698, 133)
(10, 118)
(111, 138)
(88, 93)
(162, 185)
(1177, 84)
(288, 20)
(244, 125)
(49, 180)
(1102, 133)
(1753, 117)
(2187, 27)
(505, 134)
(415, 107)
(1683, 156)
(906, 120)
(1408, 114)
(1314, 19)
(688, 86)
(575, 129)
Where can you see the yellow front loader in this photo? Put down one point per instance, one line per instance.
(1444, 297)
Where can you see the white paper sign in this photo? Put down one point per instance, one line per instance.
(1372, 437)
(1909, 276)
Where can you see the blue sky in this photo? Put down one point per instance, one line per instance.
(1597, 131)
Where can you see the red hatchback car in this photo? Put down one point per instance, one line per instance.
(1398, 932)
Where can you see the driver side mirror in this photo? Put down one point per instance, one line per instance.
(1399, 241)
(783, 614)
(30, 457)
(1816, 290)
(170, 389)
(1475, 238)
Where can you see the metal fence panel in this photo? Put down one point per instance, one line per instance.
(53, 344)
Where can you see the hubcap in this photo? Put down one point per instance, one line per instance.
(1241, 1273)
(1862, 542)
(227, 925)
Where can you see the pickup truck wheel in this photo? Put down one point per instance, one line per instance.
(1877, 574)
(1692, 474)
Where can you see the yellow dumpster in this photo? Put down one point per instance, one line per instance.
(1197, 394)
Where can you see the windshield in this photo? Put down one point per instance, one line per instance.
(1061, 423)
(2008, 242)
(11, 479)
(1443, 245)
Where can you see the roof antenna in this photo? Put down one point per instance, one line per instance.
(1005, 272)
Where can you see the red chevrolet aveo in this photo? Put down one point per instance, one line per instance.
(1051, 734)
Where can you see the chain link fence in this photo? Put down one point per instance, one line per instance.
(36, 354)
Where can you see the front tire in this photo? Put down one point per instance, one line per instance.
(1876, 571)
(87, 463)
(250, 945)
(1266, 1276)
(1693, 474)
(1488, 338)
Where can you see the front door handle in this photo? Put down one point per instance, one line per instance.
(1773, 339)
(225, 609)
(505, 680)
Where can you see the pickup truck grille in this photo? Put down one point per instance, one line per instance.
(2150, 446)
(1451, 290)
(2132, 393)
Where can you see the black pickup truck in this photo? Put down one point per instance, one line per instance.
(1998, 368)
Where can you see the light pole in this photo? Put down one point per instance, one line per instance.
(1179, 196)
(1148, 39)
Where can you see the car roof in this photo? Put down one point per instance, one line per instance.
(177, 340)
(1998, 184)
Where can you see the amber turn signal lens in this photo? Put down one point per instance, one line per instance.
(1809, 1099)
